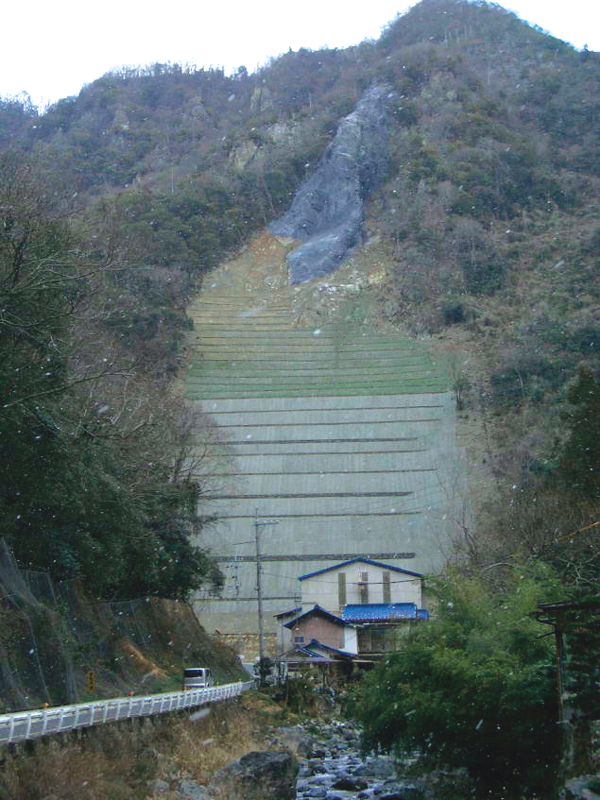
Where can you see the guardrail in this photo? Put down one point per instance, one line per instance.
(24, 725)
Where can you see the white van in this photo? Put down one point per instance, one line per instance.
(197, 678)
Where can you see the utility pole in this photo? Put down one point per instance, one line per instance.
(257, 527)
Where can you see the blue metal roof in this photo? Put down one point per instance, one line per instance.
(362, 561)
(321, 612)
(383, 612)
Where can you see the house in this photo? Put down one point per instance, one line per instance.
(358, 607)
(320, 625)
(360, 581)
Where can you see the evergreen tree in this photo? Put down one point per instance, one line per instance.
(473, 688)
(579, 465)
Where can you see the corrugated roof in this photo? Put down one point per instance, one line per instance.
(362, 561)
(383, 612)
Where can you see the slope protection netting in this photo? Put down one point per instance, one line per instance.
(337, 430)
(52, 635)
(257, 337)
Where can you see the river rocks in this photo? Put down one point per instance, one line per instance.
(579, 788)
(190, 790)
(349, 784)
(327, 211)
(334, 769)
(158, 786)
(256, 776)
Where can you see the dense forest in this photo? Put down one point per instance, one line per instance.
(116, 203)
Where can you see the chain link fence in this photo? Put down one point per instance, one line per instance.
(52, 636)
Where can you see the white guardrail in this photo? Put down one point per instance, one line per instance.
(22, 725)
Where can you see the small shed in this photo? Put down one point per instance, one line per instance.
(333, 664)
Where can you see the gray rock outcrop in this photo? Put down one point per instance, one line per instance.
(327, 211)
(258, 775)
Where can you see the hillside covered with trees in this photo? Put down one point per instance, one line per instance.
(117, 203)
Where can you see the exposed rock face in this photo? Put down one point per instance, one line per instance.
(327, 211)
(257, 775)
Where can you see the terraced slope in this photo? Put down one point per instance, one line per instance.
(342, 436)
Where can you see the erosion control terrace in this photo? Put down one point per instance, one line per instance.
(340, 433)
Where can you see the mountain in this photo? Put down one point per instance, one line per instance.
(484, 203)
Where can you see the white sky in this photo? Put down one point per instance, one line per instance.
(51, 49)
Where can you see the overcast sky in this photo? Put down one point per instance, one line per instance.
(51, 49)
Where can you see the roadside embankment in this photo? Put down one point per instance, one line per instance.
(165, 757)
(58, 646)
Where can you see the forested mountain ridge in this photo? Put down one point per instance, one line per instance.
(487, 211)
(117, 203)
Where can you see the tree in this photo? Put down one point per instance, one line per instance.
(98, 478)
(474, 688)
(579, 465)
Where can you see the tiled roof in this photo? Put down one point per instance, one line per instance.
(361, 561)
(320, 612)
(315, 644)
(288, 613)
(383, 612)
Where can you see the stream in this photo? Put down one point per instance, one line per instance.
(333, 768)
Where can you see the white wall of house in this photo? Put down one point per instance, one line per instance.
(359, 583)
(350, 640)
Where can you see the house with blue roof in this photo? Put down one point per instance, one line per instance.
(360, 606)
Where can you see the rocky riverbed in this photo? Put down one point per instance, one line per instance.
(320, 760)
(331, 766)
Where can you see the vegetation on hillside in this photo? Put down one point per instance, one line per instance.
(98, 479)
(489, 214)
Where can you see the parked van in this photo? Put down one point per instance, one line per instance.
(197, 678)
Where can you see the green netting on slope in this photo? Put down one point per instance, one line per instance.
(51, 634)
(333, 361)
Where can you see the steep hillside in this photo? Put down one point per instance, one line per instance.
(341, 431)
(53, 634)
(483, 212)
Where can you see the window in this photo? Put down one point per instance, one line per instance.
(387, 588)
(363, 587)
(299, 639)
(341, 589)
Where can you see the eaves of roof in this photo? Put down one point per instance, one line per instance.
(314, 643)
(317, 611)
(288, 613)
(362, 561)
(383, 612)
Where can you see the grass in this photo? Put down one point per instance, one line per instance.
(234, 356)
(117, 762)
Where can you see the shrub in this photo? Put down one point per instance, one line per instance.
(473, 689)
(454, 312)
